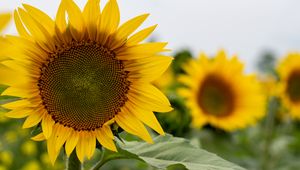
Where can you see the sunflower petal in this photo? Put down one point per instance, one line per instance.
(62, 136)
(151, 92)
(148, 69)
(40, 16)
(77, 25)
(106, 129)
(53, 153)
(109, 21)
(39, 137)
(132, 125)
(90, 144)
(34, 118)
(80, 148)
(104, 140)
(71, 142)
(140, 36)
(40, 34)
(4, 19)
(140, 51)
(47, 125)
(91, 14)
(60, 19)
(126, 29)
(146, 117)
(150, 104)
(19, 113)
(17, 104)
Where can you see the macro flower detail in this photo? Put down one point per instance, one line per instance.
(76, 77)
(220, 94)
(288, 88)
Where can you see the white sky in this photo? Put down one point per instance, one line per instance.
(243, 27)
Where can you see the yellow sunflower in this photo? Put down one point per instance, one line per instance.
(220, 94)
(289, 85)
(76, 77)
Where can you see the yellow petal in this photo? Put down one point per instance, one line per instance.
(126, 29)
(47, 125)
(34, 118)
(91, 14)
(151, 92)
(104, 140)
(140, 36)
(71, 142)
(6, 74)
(140, 51)
(39, 137)
(90, 144)
(148, 103)
(62, 135)
(77, 25)
(109, 21)
(4, 19)
(19, 25)
(19, 113)
(131, 124)
(148, 69)
(40, 34)
(17, 104)
(146, 117)
(13, 91)
(53, 153)
(80, 148)
(40, 16)
(106, 129)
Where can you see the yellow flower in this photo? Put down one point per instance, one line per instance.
(29, 148)
(32, 165)
(6, 157)
(77, 77)
(289, 73)
(220, 94)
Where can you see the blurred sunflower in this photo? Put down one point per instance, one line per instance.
(79, 76)
(289, 85)
(220, 94)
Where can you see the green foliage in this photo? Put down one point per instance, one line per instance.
(175, 152)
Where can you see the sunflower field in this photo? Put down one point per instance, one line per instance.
(83, 90)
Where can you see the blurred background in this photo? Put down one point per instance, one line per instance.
(259, 32)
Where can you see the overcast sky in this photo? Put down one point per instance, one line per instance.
(243, 27)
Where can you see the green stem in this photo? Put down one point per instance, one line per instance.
(269, 134)
(73, 162)
(106, 156)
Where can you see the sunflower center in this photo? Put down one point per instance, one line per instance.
(215, 96)
(293, 86)
(84, 86)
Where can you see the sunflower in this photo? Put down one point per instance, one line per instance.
(77, 76)
(288, 90)
(220, 94)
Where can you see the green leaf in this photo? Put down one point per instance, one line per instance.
(168, 150)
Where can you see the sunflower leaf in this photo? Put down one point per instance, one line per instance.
(168, 151)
